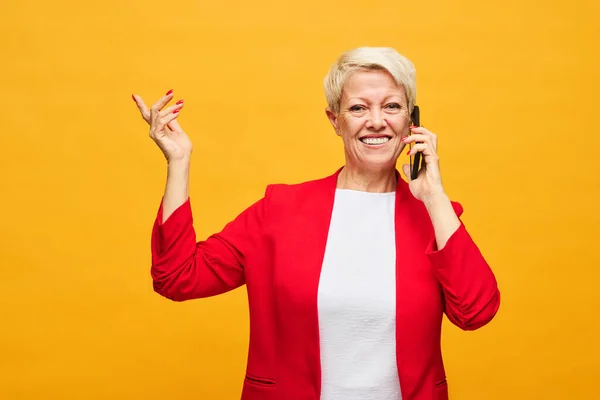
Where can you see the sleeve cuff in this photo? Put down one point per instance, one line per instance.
(176, 224)
(183, 212)
(460, 236)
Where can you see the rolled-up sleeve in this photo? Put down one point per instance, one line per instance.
(184, 268)
(470, 289)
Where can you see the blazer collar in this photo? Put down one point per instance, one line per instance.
(402, 189)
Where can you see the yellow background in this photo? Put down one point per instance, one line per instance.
(511, 88)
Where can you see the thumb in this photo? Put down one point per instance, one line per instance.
(406, 170)
(174, 126)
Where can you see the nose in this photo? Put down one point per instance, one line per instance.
(376, 120)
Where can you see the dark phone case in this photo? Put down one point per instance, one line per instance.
(415, 166)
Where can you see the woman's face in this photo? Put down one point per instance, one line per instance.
(372, 120)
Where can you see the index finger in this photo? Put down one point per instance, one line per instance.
(416, 137)
(421, 132)
(142, 107)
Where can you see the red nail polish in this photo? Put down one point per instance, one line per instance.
(169, 92)
(133, 97)
(179, 102)
(408, 152)
(176, 111)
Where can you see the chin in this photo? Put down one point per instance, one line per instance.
(378, 163)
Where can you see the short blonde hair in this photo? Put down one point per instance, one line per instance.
(370, 58)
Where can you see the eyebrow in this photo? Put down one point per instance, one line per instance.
(385, 98)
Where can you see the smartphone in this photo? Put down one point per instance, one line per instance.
(415, 165)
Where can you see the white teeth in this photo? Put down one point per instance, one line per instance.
(379, 140)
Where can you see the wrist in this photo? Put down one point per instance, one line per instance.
(179, 163)
(435, 200)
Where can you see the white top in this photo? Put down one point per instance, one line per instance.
(357, 300)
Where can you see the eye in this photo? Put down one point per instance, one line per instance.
(394, 106)
(357, 108)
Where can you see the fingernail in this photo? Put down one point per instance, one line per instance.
(169, 92)
(179, 102)
(404, 139)
(176, 111)
(133, 97)
(408, 152)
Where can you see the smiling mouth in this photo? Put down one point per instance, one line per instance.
(375, 140)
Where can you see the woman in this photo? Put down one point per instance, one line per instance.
(347, 276)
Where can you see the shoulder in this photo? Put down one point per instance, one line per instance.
(289, 191)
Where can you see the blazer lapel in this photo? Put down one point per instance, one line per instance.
(297, 281)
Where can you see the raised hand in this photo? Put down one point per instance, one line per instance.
(428, 183)
(164, 128)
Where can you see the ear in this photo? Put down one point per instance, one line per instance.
(333, 118)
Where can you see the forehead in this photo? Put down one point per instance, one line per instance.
(371, 84)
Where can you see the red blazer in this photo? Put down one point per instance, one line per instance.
(276, 247)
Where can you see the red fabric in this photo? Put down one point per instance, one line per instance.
(276, 247)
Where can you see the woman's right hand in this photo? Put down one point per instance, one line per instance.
(164, 128)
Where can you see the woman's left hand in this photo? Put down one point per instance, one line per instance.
(428, 183)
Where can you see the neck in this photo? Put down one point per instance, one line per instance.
(376, 181)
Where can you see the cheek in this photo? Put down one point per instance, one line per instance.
(351, 126)
(399, 124)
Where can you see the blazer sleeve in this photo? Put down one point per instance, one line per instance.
(184, 268)
(471, 293)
